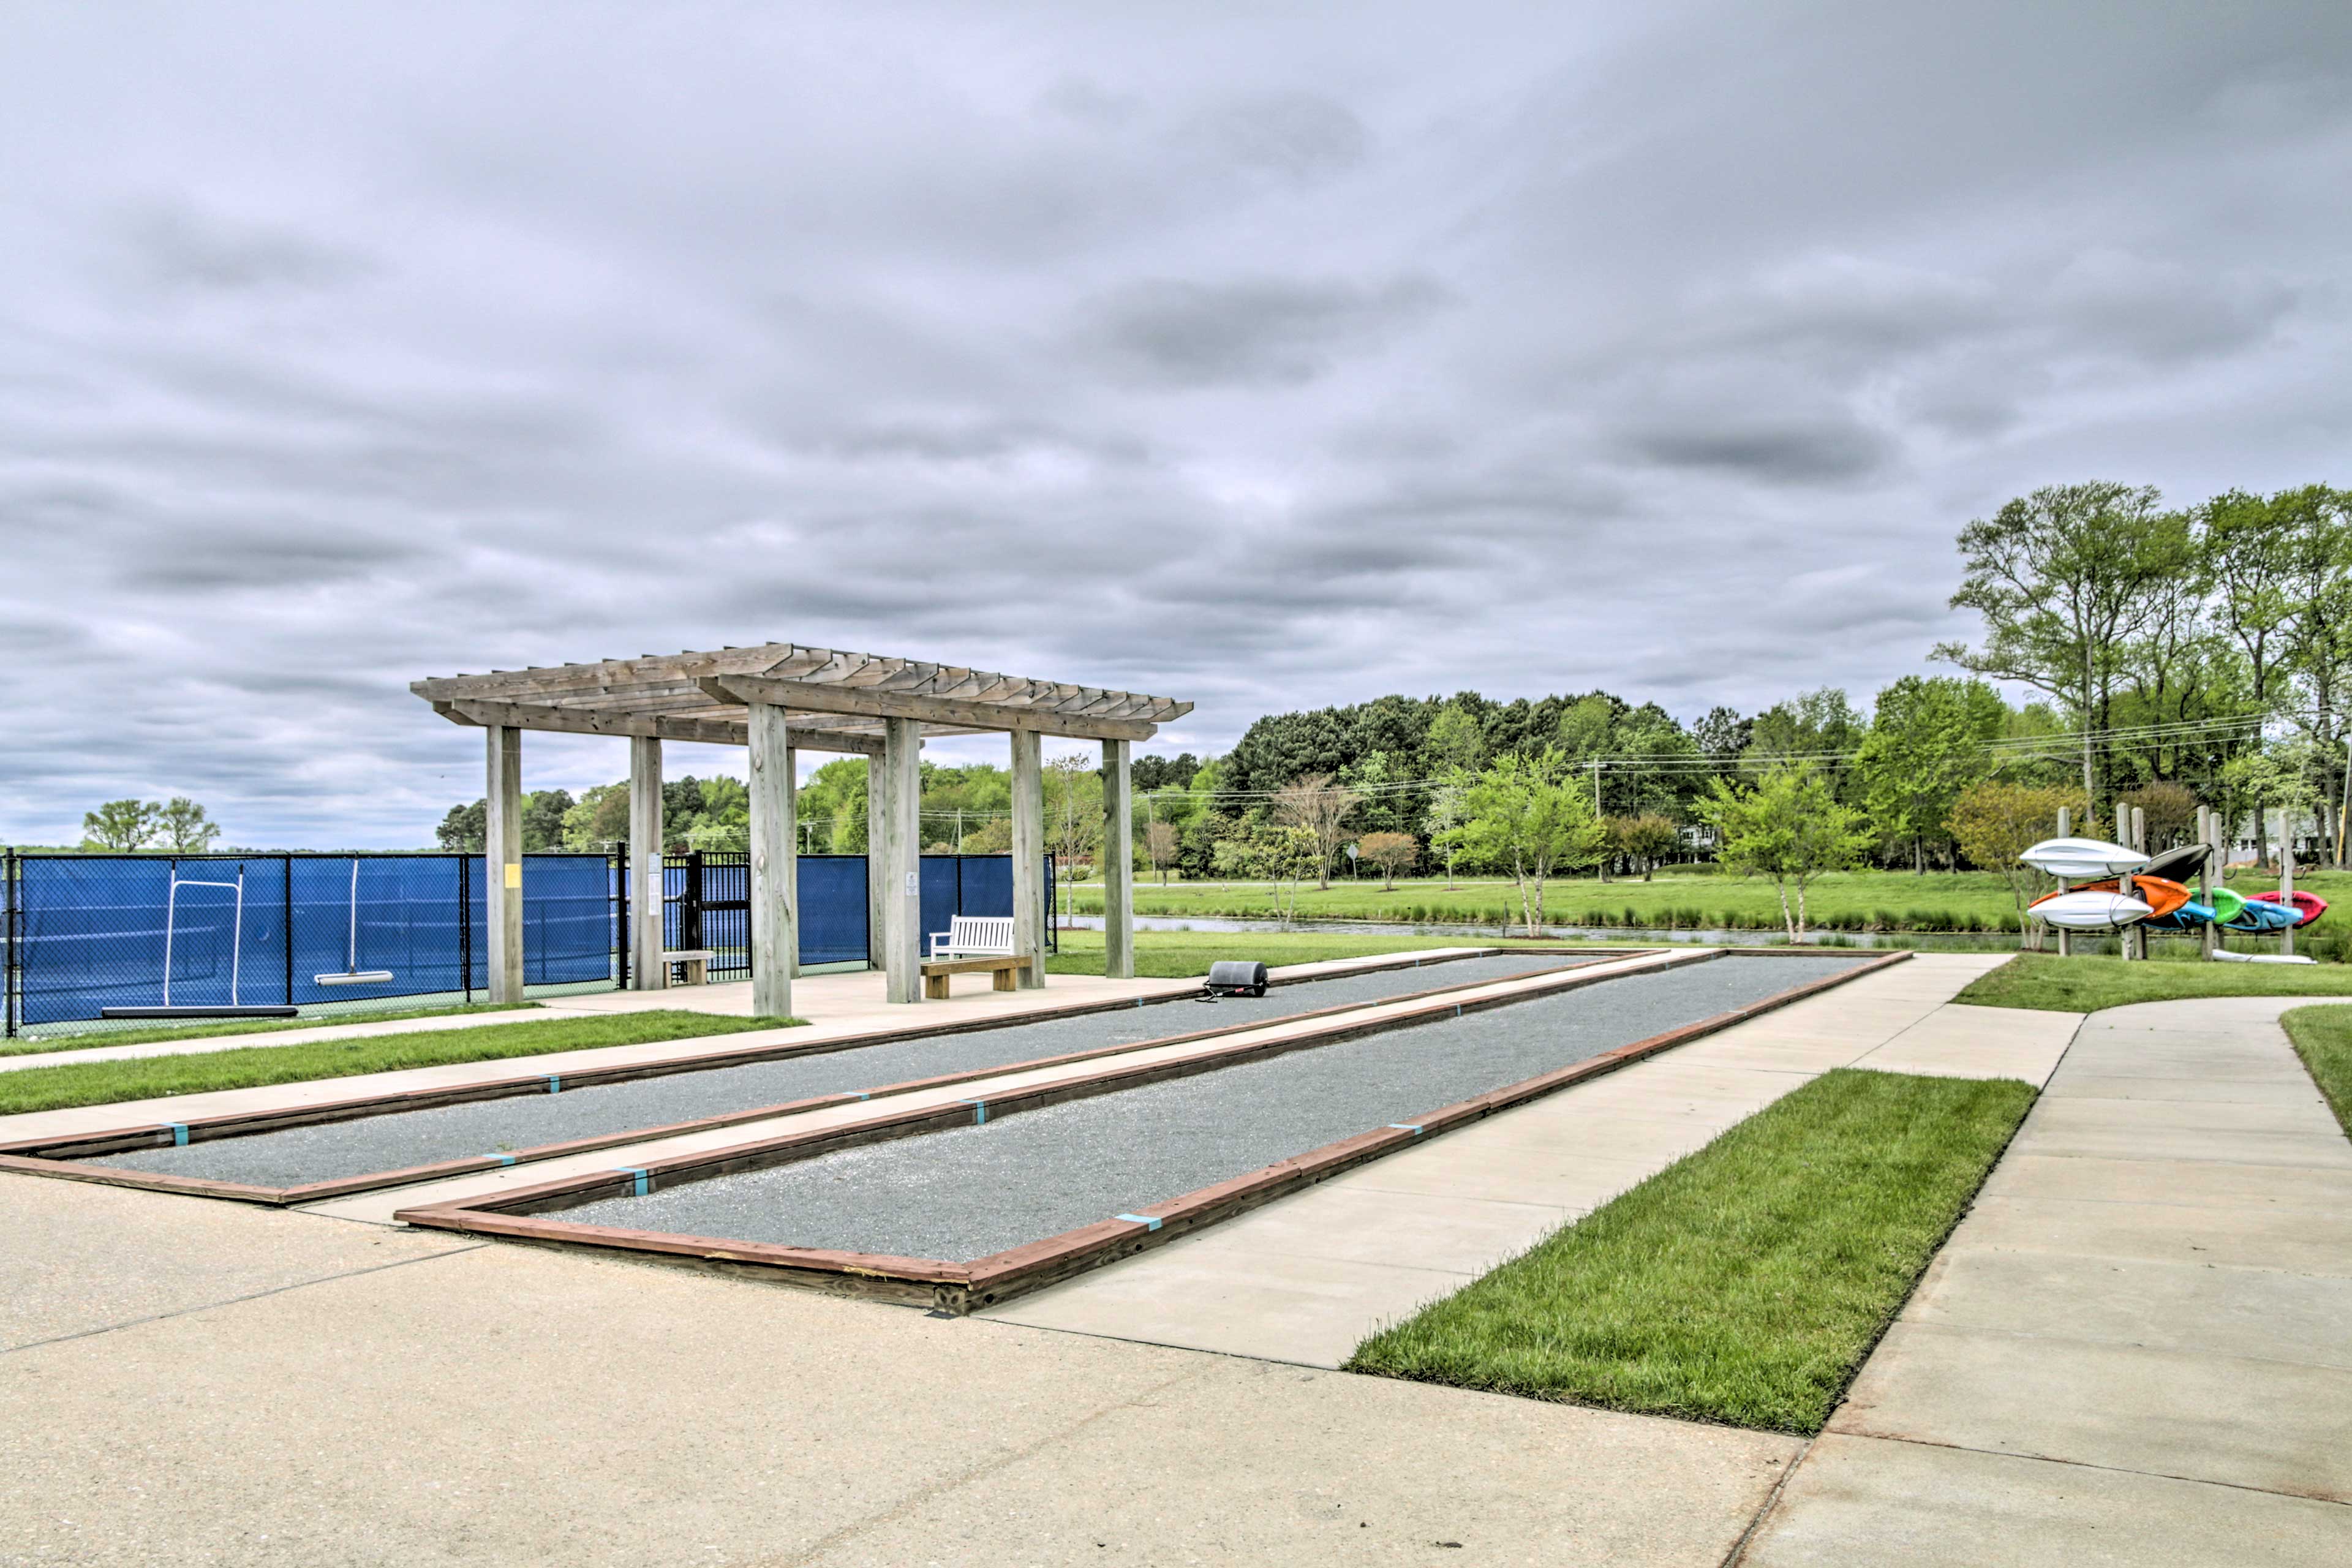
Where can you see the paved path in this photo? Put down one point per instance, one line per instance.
(2136, 1349)
(1307, 1278)
(195, 1382)
(838, 1006)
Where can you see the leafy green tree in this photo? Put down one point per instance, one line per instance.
(1995, 822)
(1391, 852)
(1926, 744)
(184, 826)
(1527, 817)
(1322, 808)
(2064, 580)
(1642, 840)
(1280, 855)
(1446, 817)
(465, 829)
(1788, 825)
(598, 818)
(543, 812)
(118, 824)
(1455, 741)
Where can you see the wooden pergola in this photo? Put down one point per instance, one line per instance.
(776, 699)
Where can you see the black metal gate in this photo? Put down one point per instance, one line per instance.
(706, 900)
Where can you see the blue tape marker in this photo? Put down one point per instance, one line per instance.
(501, 1159)
(644, 1182)
(179, 1132)
(1145, 1220)
(1458, 1009)
(979, 1108)
(554, 1084)
(864, 1097)
(1413, 1128)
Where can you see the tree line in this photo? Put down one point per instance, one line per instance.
(2176, 655)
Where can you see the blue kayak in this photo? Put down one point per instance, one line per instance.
(2260, 915)
(2188, 917)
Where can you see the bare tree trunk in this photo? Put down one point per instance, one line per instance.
(1788, 921)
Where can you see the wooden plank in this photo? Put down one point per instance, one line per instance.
(1118, 864)
(502, 862)
(646, 970)
(1029, 856)
(775, 923)
(829, 699)
(714, 728)
(902, 847)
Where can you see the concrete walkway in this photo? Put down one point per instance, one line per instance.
(1307, 1278)
(2136, 1349)
(207, 1384)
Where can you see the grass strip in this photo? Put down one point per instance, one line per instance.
(27, 1047)
(1743, 1284)
(2323, 1038)
(2051, 984)
(1179, 954)
(148, 1077)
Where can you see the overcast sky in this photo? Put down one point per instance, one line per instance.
(1265, 357)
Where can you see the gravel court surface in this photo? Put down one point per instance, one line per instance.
(970, 1192)
(334, 1150)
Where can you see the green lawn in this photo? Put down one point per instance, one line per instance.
(1179, 954)
(2323, 1038)
(1743, 1284)
(2056, 984)
(24, 1048)
(145, 1077)
(1855, 900)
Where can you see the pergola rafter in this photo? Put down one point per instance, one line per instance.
(774, 699)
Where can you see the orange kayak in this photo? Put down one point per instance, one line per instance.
(2162, 897)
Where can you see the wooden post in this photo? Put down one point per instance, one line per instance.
(503, 863)
(646, 970)
(2123, 884)
(1029, 856)
(902, 842)
(2208, 830)
(2139, 842)
(1117, 864)
(775, 920)
(877, 812)
(2065, 830)
(2286, 876)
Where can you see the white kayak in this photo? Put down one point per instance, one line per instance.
(2083, 859)
(2226, 956)
(2092, 911)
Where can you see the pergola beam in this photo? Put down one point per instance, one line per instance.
(871, 701)
(658, 726)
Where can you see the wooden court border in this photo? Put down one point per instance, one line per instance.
(966, 1287)
(64, 1157)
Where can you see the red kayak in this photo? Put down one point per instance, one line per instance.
(2312, 905)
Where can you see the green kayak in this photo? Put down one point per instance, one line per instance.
(2227, 906)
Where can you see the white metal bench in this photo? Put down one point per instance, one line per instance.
(970, 944)
(691, 964)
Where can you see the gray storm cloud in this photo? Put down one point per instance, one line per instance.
(1265, 358)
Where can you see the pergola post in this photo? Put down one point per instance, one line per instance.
(902, 902)
(646, 970)
(1117, 864)
(502, 862)
(775, 923)
(1029, 857)
(877, 812)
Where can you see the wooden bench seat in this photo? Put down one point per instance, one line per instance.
(690, 966)
(1006, 968)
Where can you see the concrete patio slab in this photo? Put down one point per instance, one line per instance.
(1858, 1502)
(81, 1259)
(2137, 1347)
(1979, 1042)
(2221, 1309)
(2238, 1420)
(2198, 1183)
